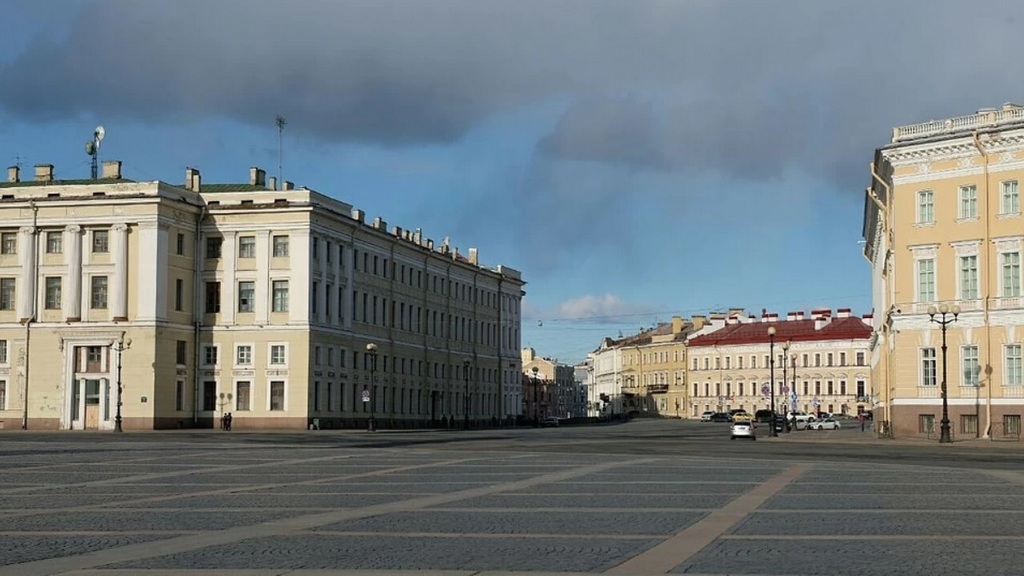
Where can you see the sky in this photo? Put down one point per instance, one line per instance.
(634, 160)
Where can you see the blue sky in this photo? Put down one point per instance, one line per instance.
(635, 160)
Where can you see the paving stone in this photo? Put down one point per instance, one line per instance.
(128, 521)
(269, 501)
(680, 487)
(930, 522)
(897, 502)
(19, 549)
(621, 500)
(904, 487)
(377, 487)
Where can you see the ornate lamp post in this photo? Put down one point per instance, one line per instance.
(792, 390)
(465, 372)
(535, 370)
(947, 316)
(771, 376)
(119, 346)
(785, 384)
(371, 424)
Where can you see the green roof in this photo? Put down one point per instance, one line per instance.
(36, 183)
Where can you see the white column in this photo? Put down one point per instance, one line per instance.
(27, 260)
(73, 259)
(263, 292)
(345, 280)
(299, 285)
(119, 283)
(229, 290)
(151, 279)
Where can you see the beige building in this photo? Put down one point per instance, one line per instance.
(551, 389)
(207, 299)
(820, 363)
(943, 229)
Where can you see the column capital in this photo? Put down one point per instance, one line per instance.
(73, 228)
(119, 227)
(27, 230)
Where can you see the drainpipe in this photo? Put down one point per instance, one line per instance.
(975, 136)
(887, 331)
(35, 304)
(197, 313)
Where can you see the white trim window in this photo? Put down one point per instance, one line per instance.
(969, 202)
(4, 356)
(1011, 274)
(243, 355)
(211, 355)
(926, 280)
(246, 246)
(926, 207)
(280, 246)
(54, 242)
(929, 364)
(276, 395)
(1010, 197)
(280, 296)
(3, 394)
(1012, 360)
(969, 277)
(278, 354)
(970, 367)
(246, 296)
(243, 395)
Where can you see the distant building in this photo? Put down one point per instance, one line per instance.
(550, 387)
(203, 299)
(943, 231)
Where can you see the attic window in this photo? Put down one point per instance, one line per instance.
(214, 203)
(99, 193)
(246, 202)
(8, 196)
(53, 195)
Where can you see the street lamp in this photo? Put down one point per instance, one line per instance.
(465, 372)
(371, 349)
(944, 312)
(771, 375)
(792, 390)
(535, 370)
(785, 381)
(119, 346)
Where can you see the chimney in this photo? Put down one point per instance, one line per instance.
(286, 185)
(111, 170)
(473, 256)
(14, 174)
(773, 317)
(867, 318)
(272, 183)
(397, 231)
(430, 244)
(699, 321)
(732, 320)
(800, 315)
(257, 177)
(822, 320)
(379, 223)
(790, 316)
(677, 324)
(44, 172)
(843, 313)
(358, 215)
(193, 181)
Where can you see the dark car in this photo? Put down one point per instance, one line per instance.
(763, 416)
(721, 417)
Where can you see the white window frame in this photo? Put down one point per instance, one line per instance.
(216, 349)
(273, 295)
(926, 207)
(99, 246)
(247, 246)
(934, 360)
(252, 391)
(8, 243)
(967, 285)
(250, 305)
(4, 393)
(1009, 198)
(238, 349)
(279, 241)
(925, 253)
(5, 353)
(1007, 291)
(284, 394)
(970, 366)
(1013, 365)
(968, 202)
(55, 242)
(270, 353)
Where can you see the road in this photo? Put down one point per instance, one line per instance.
(637, 498)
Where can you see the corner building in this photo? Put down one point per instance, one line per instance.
(205, 299)
(943, 228)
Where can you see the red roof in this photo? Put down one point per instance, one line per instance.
(850, 328)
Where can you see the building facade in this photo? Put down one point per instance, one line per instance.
(173, 305)
(815, 364)
(554, 390)
(943, 232)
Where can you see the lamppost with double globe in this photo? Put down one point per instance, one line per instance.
(535, 370)
(785, 386)
(371, 424)
(119, 346)
(771, 376)
(792, 390)
(465, 371)
(946, 316)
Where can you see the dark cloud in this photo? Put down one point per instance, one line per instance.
(747, 87)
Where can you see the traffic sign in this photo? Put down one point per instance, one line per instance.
(816, 403)
(766, 390)
(785, 389)
(366, 395)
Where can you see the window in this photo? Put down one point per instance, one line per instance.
(7, 293)
(1013, 365)
(926, 280)
(314, 297)
(209, 396)
(53, 293)
(179, 294)
(243, 355)
(179, 396)
(210, 355)
(860, 358)
(968, 202)
(98, 293)
(246, 246)
(1011, 425)
(180, 246)
(276, 395)
(54, 242)
(969, 365)
(3, 352)
(968, 277)
(1011, 274)
(969, 424)
(928, 367)
(1011, 198)
(180, 356)
(246, 296)
(280, 246)
(280, 301)
(8, 243)
(926, 423)
(842, 358)
(100, 241)
(316, 248)
(212, 297)
(242, 396)
(3, 394)
(925, 207)
(213, 246)
(277, 354)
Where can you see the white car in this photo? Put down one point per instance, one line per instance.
(744, 429)
(706, 417)
(826, 424)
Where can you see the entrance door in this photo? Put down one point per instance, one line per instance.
(92, 404)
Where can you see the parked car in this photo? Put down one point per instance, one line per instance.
(549, 421)
(706, 417)
(742, 430)
(826, 424)
(721, 417)
(763, 416)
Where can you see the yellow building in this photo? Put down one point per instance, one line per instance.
(653, 370)
(203, 300)
(943, 231)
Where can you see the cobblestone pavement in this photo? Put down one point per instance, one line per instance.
(675, 499)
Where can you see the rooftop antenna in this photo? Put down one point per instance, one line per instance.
(92, 148)
(281, 122)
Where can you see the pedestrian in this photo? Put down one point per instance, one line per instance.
(227, 422)
(862, 419)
